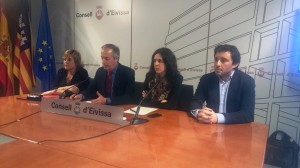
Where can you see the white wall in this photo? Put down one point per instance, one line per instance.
(98, 22)
(61, 21)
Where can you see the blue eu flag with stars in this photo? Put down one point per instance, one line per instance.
(44, 62)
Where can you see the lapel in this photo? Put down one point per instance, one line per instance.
(212, 92)
(233, 87)
(216, 91)
(117, 77)
(101, 81)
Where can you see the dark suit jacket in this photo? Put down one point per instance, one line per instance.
(123, 86)
(240, 97)
(173, 97)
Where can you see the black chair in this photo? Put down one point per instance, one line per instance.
(282, 150)
(186, 95)
(138, 92)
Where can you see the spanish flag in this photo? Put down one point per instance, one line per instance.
(6, 71)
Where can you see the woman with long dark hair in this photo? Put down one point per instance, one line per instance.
(163, 81)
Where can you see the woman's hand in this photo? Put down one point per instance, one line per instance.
(74, 89)
(144, 93)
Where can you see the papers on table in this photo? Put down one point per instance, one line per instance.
(143, 110)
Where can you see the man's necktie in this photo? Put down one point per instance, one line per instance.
(108, 83)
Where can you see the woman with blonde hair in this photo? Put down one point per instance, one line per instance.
(72, 77)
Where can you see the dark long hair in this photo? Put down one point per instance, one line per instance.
(170, 62)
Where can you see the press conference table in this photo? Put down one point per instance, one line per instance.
(172, 140)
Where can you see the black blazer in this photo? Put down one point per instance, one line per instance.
(240, 98)
(173, 97)
(80, 78)
(123, 86)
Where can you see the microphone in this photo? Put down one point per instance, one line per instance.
(136, 119)
(34, 97)
(63, 94)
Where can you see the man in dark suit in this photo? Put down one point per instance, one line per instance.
(226, 95)
(113, 83)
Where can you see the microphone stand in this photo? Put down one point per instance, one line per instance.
(136, 119)
(63, 94)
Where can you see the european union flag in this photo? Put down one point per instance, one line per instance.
(44, 61)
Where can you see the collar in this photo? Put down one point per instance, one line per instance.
(115, 69)
(224, 81)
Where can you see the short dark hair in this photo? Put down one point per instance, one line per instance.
(115, 49)
(235, 54)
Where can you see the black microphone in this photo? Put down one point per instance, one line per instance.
(34, 97)
(63, 94)
(136, 119)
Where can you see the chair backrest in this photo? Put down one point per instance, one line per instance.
(282, 150)
(186, 95)
(138, 92)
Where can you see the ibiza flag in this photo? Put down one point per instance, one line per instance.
(6, 72)
(44, 62)
(22, 57)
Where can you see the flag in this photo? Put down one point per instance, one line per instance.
(43, 61)
(6, 74)
(22, 67)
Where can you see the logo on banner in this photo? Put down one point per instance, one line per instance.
(77, 108)
(99, 13)
(135, 67)
(116, 12)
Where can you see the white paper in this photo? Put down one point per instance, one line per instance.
(143, 110)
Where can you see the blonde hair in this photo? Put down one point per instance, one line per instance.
(75, 55)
